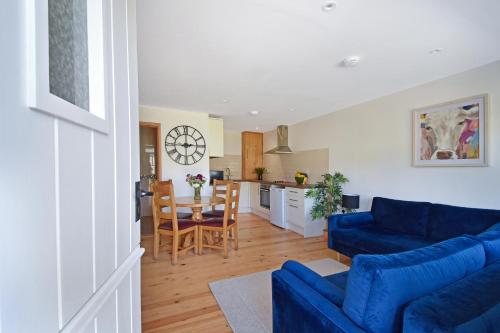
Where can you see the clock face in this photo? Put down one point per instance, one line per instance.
(185, 145)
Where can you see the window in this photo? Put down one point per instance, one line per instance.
(68, 51)
(67, 67)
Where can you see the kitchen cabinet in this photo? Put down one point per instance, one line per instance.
(215, 137)
(252, 151)
(244, 203)
(298, 211)
(255, 201)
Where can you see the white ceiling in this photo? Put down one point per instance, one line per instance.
(282, 57)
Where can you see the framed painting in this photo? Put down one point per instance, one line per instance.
(451, 134)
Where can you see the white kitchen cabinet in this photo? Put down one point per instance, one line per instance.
(215, 137)
(299, 218)
(255, 201)
(244, 204)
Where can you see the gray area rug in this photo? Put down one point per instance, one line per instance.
(246, 300)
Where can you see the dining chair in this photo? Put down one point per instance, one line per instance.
(167, 223)
(219, 190)
(225, 224)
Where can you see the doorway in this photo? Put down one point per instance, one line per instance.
(150, 167)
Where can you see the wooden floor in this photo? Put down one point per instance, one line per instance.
(177, 298)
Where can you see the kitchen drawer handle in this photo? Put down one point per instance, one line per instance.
(294, 192)
(293, 206)
(294, 200)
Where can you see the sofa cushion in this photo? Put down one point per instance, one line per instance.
(491, 243)
(374, 240)
(379, 286)
(339, 279)
(450, 221)
(469, 305)
(407, 217)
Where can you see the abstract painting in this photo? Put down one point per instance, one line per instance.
(451, 134)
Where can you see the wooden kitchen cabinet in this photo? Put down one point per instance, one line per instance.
(252, 150)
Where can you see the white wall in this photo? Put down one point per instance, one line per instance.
(69, 244)
(170, 118)
(371, 144)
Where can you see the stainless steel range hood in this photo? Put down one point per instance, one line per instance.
(282, 148)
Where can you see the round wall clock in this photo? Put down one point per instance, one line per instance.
(185, 145)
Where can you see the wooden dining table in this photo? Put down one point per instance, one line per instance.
(197, 205)
(197, 208)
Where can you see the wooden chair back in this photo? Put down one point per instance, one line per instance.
(232, 200)
(219, 189)
(164, 198)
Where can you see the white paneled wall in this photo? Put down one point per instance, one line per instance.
(69, 242)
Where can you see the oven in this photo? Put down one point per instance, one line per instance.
(265, 196)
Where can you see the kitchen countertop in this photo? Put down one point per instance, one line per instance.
(270, 182)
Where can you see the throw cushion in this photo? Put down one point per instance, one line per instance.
(491, 242)
(407, 217)
(379, 286)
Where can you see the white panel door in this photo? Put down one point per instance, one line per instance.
(70, 252)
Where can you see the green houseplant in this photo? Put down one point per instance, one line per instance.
(327, 195)
(260, 171)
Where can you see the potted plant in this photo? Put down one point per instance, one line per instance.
(260, 171)
(301, 178)
(196, 182)
(327, 195)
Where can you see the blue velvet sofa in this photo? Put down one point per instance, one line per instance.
(450, 286)
(395, 226)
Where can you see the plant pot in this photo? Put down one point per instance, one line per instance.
(197, 193)
(259, 177)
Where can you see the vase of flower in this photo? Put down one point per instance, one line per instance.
(196, 182)
(197, 193)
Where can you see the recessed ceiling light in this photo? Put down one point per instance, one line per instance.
(351, 61)
(329, 6)
(257, 128)
(225, 101)
(291, 109)
(254, 112)
(436, 51)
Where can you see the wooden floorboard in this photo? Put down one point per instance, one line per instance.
(178, 299)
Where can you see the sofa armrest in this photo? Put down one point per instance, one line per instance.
(328, 290)
(352, 220)
(299, 308)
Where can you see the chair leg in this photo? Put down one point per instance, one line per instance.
(196, 241)
(225, 235)
(156, 245)
(175, 249)
(235, 236)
